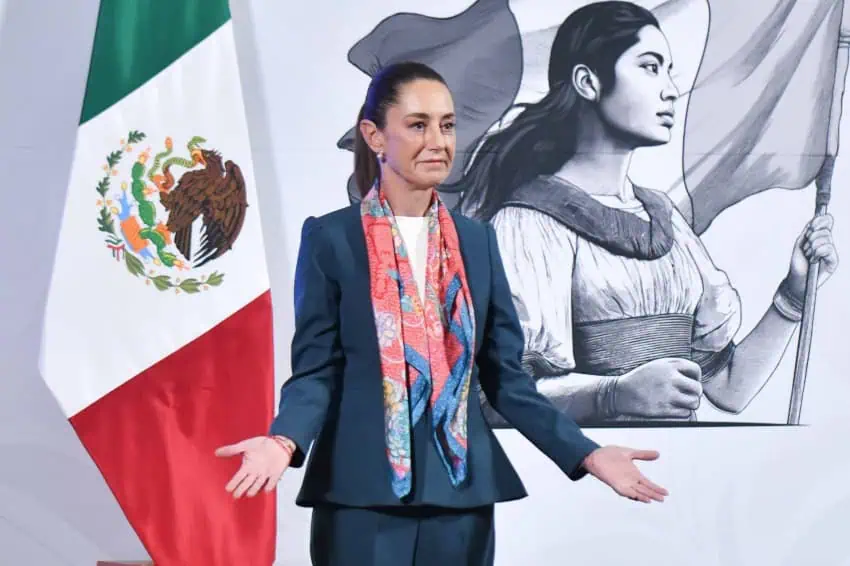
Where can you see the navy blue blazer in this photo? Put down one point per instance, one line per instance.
(334, 398)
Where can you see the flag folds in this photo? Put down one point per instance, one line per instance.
(758, 114)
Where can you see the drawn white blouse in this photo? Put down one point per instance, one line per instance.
(559, 279)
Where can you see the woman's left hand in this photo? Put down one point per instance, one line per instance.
(614, 466)
(814, 243)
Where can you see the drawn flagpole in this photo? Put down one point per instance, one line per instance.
(823, 183)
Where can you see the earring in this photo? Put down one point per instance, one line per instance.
(381, 157)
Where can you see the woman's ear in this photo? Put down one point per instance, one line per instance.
(586, 83)
(372, 136)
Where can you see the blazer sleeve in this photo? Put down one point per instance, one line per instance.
(512, 392)
(317, 358)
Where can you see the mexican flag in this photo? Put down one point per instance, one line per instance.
(158, 327)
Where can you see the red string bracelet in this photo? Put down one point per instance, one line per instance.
(286, 444)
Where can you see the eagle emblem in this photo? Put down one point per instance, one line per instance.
(173, 213)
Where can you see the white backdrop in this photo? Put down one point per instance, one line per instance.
(739, 496)
(55, 508)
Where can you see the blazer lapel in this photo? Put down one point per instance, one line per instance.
(358, 288)
(476, 260)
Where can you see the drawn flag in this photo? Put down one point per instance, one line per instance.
(158, 327)
(758, 114)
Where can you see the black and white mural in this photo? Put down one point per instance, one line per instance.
(602, 140)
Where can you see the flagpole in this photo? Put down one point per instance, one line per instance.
(823, 184)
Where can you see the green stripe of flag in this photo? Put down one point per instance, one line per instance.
(136, 39)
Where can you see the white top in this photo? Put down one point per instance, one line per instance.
(414, 232)
(558, 279)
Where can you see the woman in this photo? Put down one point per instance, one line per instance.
(402, 308)
(624, 314)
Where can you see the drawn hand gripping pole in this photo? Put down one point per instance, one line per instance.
(823, 184)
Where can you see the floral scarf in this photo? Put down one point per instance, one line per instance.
(426, 350)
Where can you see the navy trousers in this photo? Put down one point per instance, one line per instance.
(412, 536)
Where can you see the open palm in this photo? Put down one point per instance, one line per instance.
(263, 464)
(614, 466)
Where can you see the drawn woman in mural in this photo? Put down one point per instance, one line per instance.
(625, 315)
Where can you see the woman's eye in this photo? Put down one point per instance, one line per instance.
(418, 126)
(651, 67)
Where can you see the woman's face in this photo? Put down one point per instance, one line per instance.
(419, 134)
(640, 105)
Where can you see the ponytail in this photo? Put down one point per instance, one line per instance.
(539, 140)
(366, 170)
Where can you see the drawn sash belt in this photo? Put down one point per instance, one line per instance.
(615, 347)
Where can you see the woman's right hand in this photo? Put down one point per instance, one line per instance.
(662, 388)
(264, 459)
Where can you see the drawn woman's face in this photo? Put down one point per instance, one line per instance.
(419, 135)
(640, 106)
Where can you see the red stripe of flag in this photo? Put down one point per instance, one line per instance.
(154, 437)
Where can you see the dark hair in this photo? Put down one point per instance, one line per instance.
(382, 93)
(543, 135)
